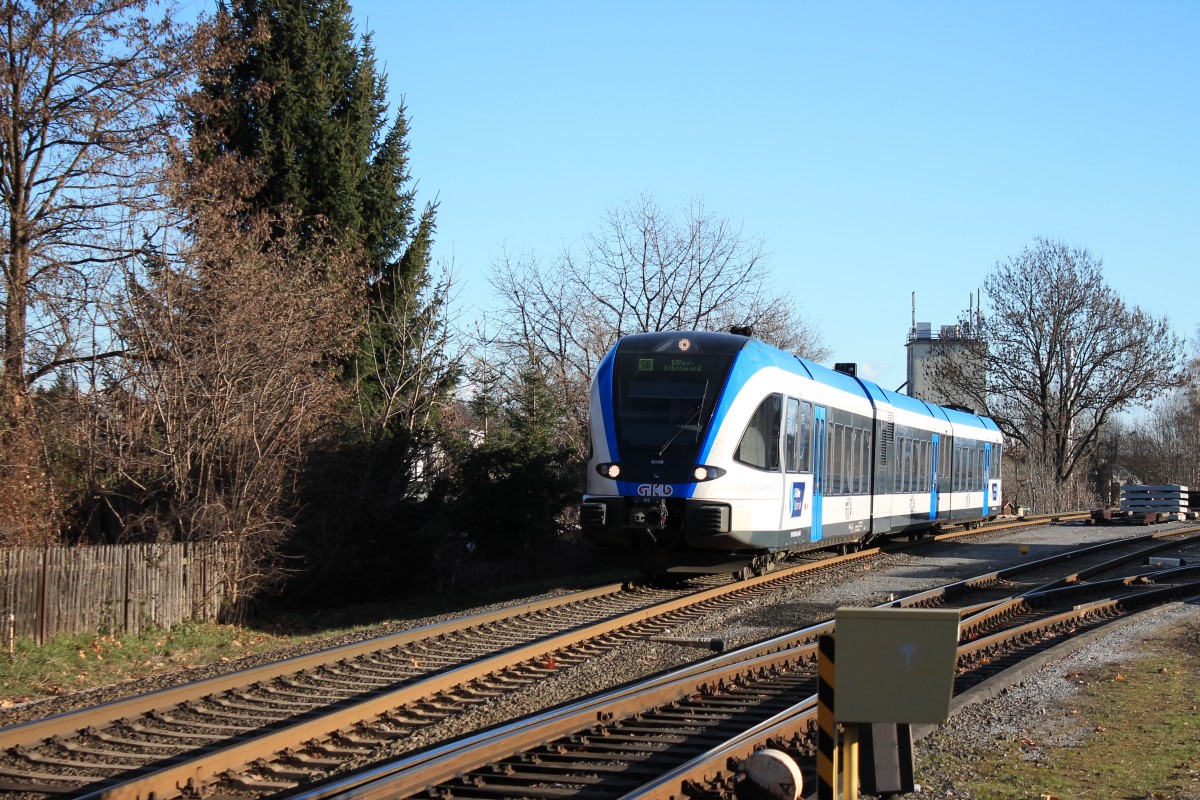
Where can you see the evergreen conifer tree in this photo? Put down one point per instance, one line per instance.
(293, 94)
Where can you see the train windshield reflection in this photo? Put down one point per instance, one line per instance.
(666, 399)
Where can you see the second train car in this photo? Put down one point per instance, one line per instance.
(716, 452)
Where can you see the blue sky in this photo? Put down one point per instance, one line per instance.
(876, 148)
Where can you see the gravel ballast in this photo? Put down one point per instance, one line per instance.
(998, 712)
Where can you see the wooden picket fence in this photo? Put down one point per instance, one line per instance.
(103, 589)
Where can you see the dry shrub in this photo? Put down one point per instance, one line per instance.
(27, 496)
(238, 344)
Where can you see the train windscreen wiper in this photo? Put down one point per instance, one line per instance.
(683, 425)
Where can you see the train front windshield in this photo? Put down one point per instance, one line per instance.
(664, 403)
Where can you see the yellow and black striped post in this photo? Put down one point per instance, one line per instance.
(827, 766)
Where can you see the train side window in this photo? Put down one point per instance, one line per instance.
(833, 457)
(914, 464)
(862, 457)
(922, 470)
(866, 458)
(958, 468)
(926, 463)
(759, 446)
(791, 436)
(806, 428)
(854, 459)
(847, 460)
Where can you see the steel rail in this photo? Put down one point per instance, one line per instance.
(188, 775)
(417, 773)
(68, 722)
(211, 763)
(717, 766)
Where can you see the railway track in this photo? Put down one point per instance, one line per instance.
(318, 713)
(272, 729)
(684, 734)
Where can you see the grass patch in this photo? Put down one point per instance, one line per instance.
(71, 663)
(1139, 721)
(74, 663)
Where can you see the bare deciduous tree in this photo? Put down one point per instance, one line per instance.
(641, 269)
(232, 372)
(83, 87)
(82, 96)
(1063, 353)
(1164, 447)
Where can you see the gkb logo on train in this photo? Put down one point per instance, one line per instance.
(797, 499)
(655, 490)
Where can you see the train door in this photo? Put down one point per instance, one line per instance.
(933, 473)
(818, 471)
(987, 469)
(797, 430)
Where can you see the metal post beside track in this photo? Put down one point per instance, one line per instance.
(826, 724)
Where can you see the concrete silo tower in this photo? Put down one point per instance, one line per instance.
(950, 350)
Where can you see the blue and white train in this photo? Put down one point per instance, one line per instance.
(715, 452)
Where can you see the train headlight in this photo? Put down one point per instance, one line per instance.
(703, 473)
(612, 471)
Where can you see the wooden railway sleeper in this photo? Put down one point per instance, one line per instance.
(396, 672)
(465, 697)
(291, 756)
(75, 747)
(303, 698)
(352, 739)
(351, 682)
(501, 640)
(251, 694)
(250, 783)
(34, 757)
(319, 693)
(351, 668)
(396, 718)
(380, 732)
(623, 768)
(292, 774)
(45, 778)
(226, 727)
(263, 714)
(148, 730)
(564, 755)
(438, 704)
(416, 718)
(475, 692)
(507, 681)
(188, 724)
(105, 736)
(330, 749)
(256, 705)
(424, 661)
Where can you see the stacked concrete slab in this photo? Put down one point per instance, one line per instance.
(1168, 499)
